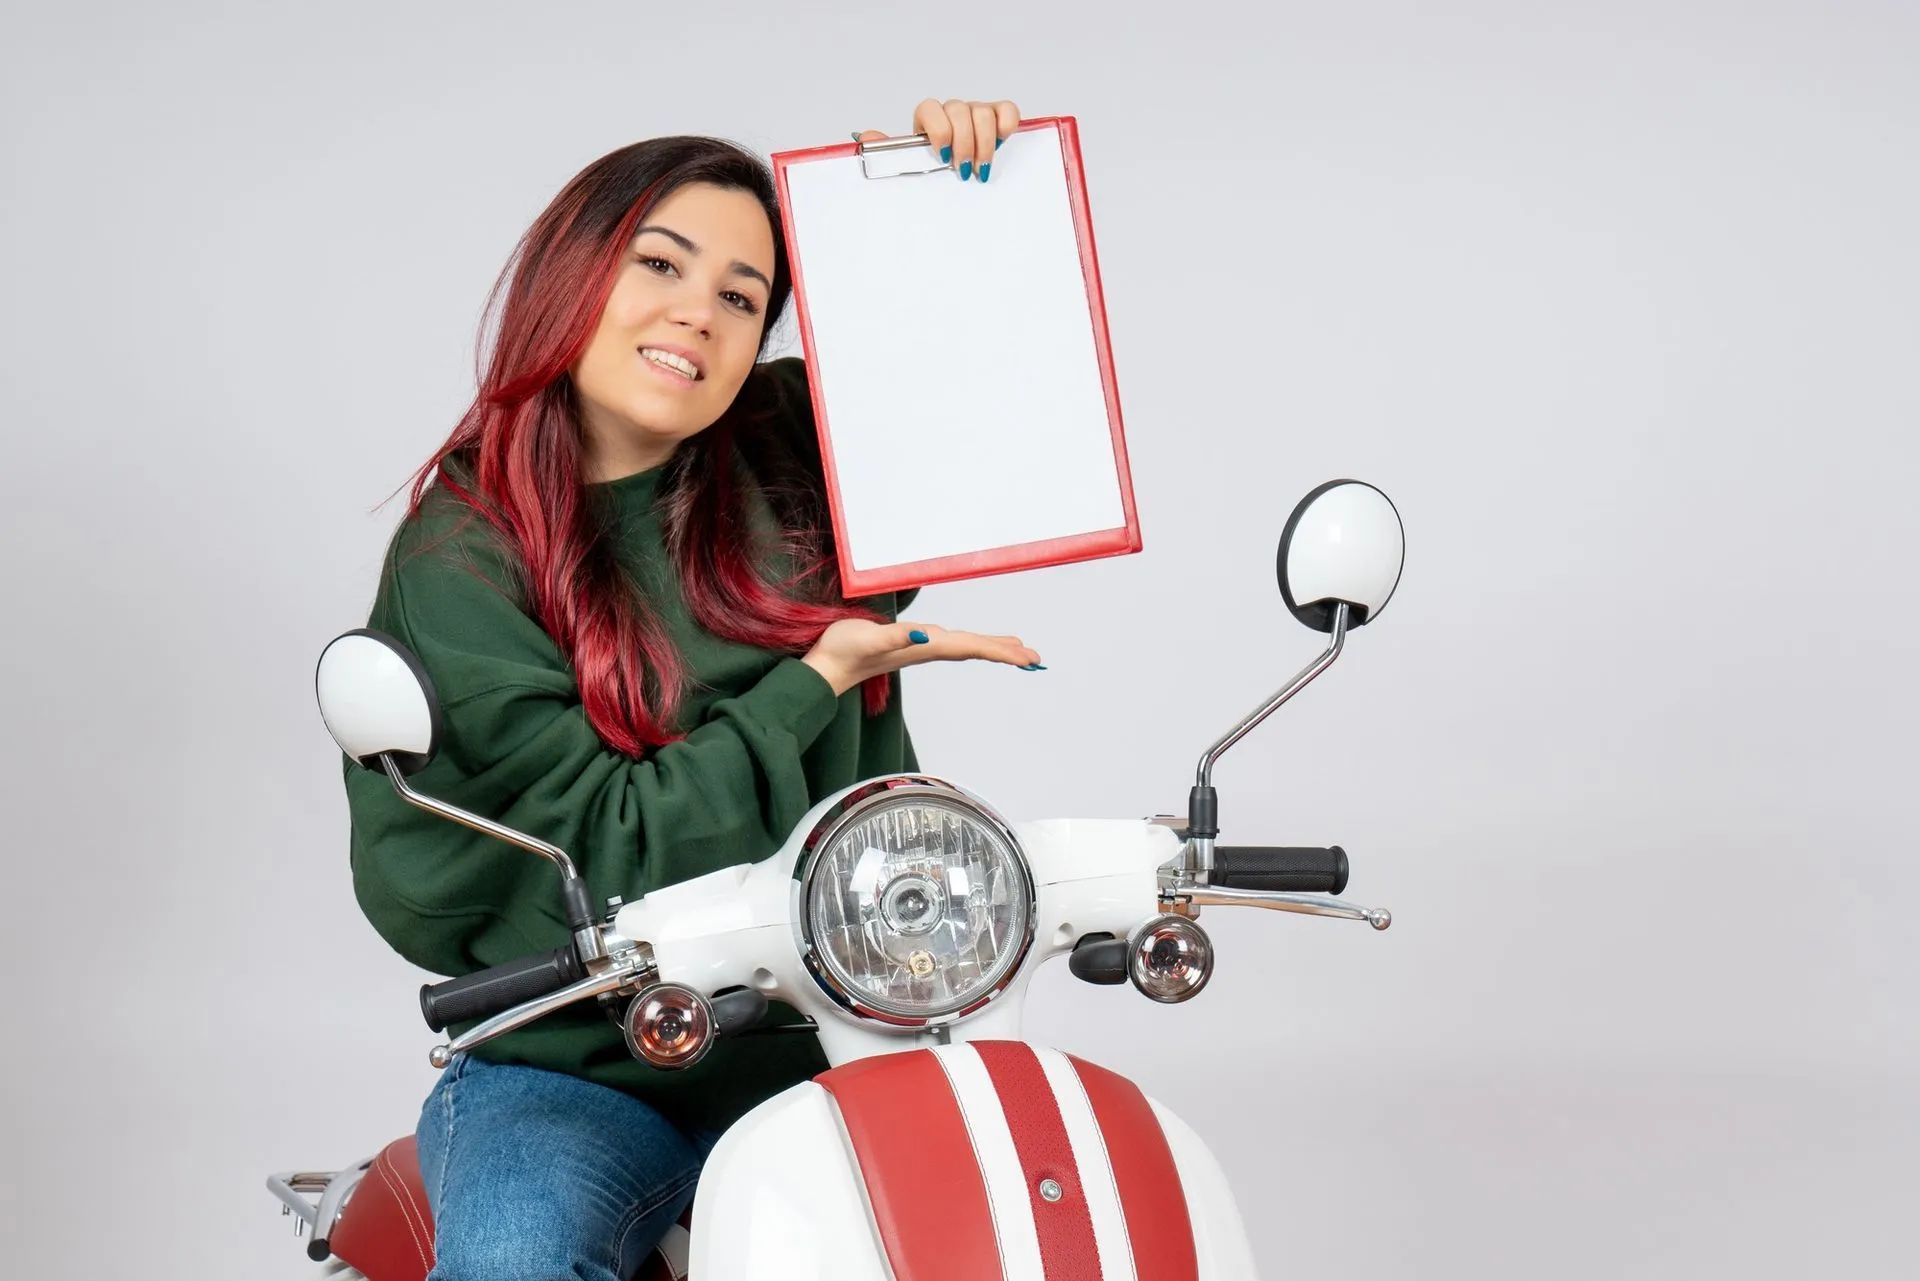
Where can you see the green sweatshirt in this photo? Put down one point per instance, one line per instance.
(765, 740)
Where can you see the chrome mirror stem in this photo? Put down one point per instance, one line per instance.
(586, 938)
(1203, 776)
(553, 853)
(1203, 819)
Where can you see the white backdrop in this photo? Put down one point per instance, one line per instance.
(1617, 302)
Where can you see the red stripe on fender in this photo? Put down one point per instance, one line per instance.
(923, 1179)
(1067, 1248)
(1159, 1226)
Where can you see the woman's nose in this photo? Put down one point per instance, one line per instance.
(692, 311)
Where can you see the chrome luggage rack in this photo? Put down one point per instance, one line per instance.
(318, 1215)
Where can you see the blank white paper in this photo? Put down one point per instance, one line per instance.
(954, 350)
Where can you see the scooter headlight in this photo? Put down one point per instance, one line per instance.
(917, 903)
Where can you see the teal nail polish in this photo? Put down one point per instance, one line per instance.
(917, 637)
(966, 170)
(985, 170)
(1033, 667)
(946, 155)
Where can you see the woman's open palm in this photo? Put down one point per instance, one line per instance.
(853, 650)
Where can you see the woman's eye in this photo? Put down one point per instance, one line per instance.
(741, 301)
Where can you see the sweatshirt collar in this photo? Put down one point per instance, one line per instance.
(631, 493)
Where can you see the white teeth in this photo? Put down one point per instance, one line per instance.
(678, 364)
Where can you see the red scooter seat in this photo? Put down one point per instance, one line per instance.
(386, 1230)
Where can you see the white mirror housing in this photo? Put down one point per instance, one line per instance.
(1343, 544)
(377, 699)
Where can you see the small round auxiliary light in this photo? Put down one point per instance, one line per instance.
(669, 1025)
(1169, 958)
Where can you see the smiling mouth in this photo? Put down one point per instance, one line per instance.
(678, 366)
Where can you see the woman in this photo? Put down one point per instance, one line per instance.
(619, 574)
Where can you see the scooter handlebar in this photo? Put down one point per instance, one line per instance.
(1290, 868)
(488, 992)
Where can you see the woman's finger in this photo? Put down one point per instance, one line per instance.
(907, 635)
(1003, 649)
(930, 118)
(960, 117)
(949, 646)
(1011, 649)
(1006, 118)
(985, 138)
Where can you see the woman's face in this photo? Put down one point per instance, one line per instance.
(694, 286)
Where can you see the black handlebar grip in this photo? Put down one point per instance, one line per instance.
(1298, 868)
(487, 992)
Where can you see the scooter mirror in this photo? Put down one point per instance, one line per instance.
(1344, 544)
(377, 699)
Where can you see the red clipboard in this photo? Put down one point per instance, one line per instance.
(1029, 513)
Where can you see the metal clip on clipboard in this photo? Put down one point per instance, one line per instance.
(890, 157)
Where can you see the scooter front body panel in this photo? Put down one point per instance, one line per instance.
(781, 1197)
(994, 1159)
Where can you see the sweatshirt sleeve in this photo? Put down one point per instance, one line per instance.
(517, 747)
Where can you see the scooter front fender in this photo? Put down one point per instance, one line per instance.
(791, 1189)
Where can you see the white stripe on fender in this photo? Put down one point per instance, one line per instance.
(1096, 1171)
(999, 1161)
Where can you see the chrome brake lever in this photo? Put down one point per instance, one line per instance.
(1222, 896)
(1182, 889)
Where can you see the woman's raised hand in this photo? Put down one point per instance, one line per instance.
(853, 649)
(964, 133)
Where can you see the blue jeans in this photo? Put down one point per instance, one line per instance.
(535, 1174)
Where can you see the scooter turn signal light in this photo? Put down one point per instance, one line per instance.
(669, 1025)
(1169, 958)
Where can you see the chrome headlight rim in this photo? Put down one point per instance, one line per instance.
(851, 808)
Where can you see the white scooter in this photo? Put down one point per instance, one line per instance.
(905, 918)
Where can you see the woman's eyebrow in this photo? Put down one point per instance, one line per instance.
(736, 266)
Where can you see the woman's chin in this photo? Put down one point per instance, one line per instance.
(661, 427)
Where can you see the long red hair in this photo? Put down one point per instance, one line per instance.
(515, 460)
